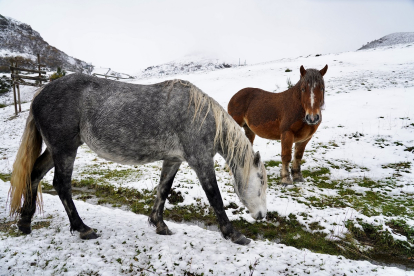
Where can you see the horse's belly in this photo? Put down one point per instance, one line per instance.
(269, 130)
(140, 151)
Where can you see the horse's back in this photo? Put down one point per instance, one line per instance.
(241, 101)
(122, 122)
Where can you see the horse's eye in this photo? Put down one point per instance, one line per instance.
(303, 89)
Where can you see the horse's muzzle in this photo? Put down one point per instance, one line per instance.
(312, 119)
(259, 216)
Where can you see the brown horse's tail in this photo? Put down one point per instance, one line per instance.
(29, 151)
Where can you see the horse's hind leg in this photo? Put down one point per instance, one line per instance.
(249, 133)
(62, 183)
(42, 165)
(296, 171)
(168, 172)
(204, 167)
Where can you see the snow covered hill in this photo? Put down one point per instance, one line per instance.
(389, 40)
(359, 180)
(187, 65)
(19, 39)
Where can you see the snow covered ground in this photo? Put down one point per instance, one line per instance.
(366, 133)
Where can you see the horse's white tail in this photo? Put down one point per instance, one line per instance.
(29, 151)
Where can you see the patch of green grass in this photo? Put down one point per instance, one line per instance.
(316, 174)
(368, 183)
(381, 242)
(11, 230)
(401, 227)
(287, 230)
(114, 174)
(2, 105)
(320, 177)
(273, 180)
(399, 167)
(272, 163)
(5, 176)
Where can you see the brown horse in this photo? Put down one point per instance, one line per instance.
(292, 116)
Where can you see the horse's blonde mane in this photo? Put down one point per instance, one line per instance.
(238, 148)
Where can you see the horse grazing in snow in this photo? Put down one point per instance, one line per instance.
(292, 116)
(133, 124)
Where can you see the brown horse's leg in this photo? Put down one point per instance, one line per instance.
(296, 171)
(287, 142)
(249, 133)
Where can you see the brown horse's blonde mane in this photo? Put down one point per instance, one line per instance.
(238, 148)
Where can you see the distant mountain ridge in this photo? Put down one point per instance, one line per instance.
(19, 39)
(389, 40)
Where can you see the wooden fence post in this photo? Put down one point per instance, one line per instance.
(14, 90)
(18, 94)
(38, 67)
(18, 91)
(18, 79)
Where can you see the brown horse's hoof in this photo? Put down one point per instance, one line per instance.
(240, 239)
(287, 181)
(298, 178)
(88, 235)
(164, 231)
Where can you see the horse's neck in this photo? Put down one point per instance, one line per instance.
(235, 164)
(293, 97)
(231, 161)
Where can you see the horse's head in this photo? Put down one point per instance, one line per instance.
(312, 89)
(253, 193)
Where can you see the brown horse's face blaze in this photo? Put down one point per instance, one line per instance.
(312, 97)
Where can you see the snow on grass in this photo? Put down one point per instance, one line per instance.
(358, 171)
(128, 245)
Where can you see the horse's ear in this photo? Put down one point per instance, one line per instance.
(256, 160)
(302, 71)
(323, 71)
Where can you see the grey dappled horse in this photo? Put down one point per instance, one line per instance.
(127, 123)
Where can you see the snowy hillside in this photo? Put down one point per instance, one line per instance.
(354, 215)
(186, 65)
(389, 40)
(19, 39)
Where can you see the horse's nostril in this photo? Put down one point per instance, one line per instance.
(307, 117)
(259, 216)
(317, 117)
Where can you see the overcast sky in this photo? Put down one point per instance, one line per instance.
(130, 35)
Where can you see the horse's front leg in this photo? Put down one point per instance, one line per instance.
(296, 171)
(168, 172)
(287, 142)
(204, 167)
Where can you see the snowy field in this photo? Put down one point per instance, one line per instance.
(363, 148)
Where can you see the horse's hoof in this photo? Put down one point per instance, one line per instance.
(88, 235)
(164, 231)
(26, 228)
(241, 239)
(286, 181)
(298, 179)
